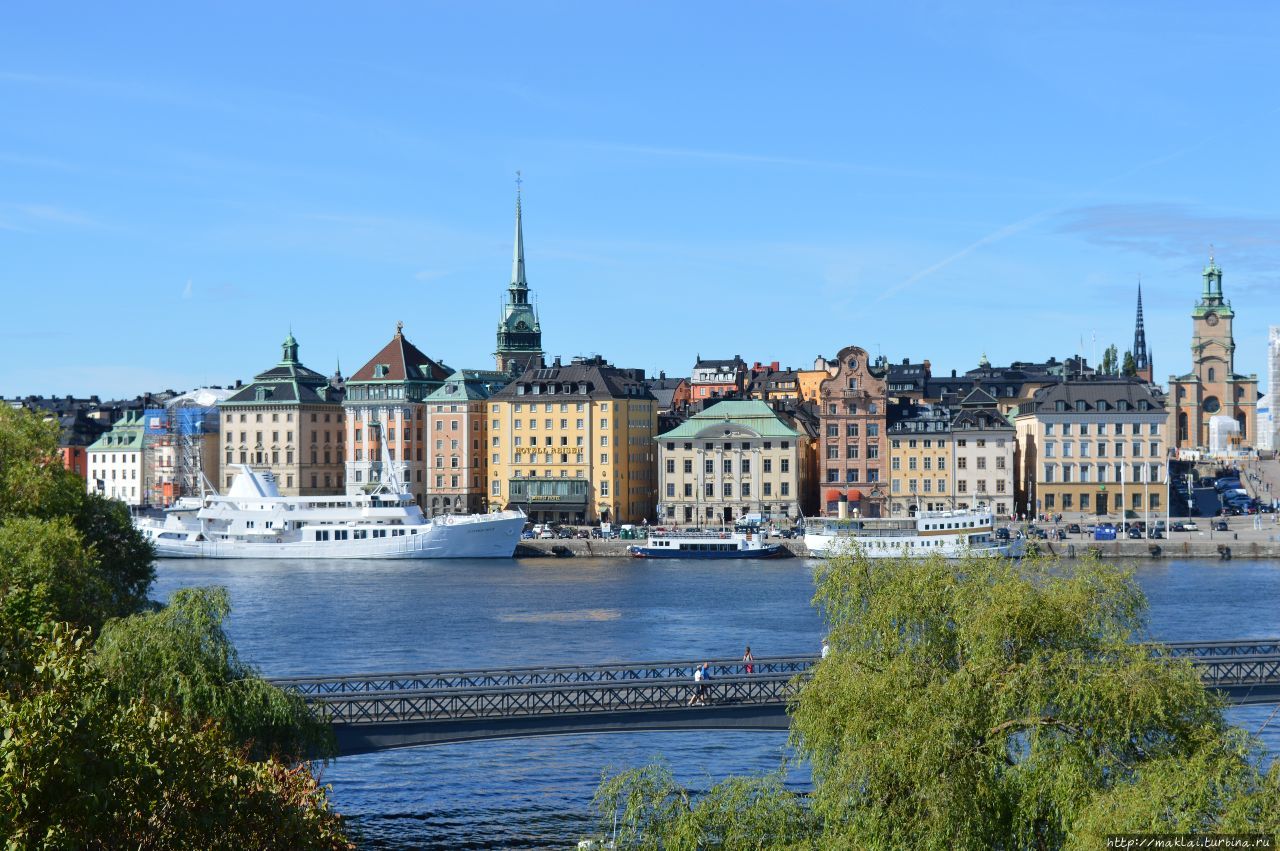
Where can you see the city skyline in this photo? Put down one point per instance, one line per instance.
(940, 187)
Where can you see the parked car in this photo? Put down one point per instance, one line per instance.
(1135, 533)
(565, 533)
(1074, 528)
(546, 535)
(1156, 532)
(526, 535)
(1190, 526)
(1002, 534)
(1221, 526)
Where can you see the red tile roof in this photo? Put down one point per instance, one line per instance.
(404, 362)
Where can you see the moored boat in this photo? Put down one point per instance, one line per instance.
(704, 544)
(254, 521)
(950, 534)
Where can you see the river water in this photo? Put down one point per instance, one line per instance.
(326, 617)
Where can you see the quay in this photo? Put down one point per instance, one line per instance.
(1190, 545)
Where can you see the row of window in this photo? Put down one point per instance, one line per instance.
(727, 446)
(102, 474)
(1100, 429)
(726, 489)
(852, 429)
(1068, 501)
(726, 465)
(109, 457)
(275, 418)
(835, 475)
(940, 486)
(961, 443)
(1068, 449)
(852, 450)
(1136, 473)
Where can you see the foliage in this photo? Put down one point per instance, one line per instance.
(80, 768)
(985, 704)
(33, 481)
(1110, 361)
(46, 575)
(1130, 365)
(112, 571)
(181, 658)
(651, 811)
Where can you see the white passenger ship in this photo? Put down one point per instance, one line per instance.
(254, 521)
(950, 534)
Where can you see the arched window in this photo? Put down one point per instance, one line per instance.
(1212, 374)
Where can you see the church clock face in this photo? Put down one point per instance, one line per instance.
(1211, 319)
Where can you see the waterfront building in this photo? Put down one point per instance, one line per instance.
(1092, 445)
(1011, 386)
(457, 434)
(921, 456)
(984, 444)
(718, 379)
(519, 330)
(574, 444)
(117, 461)
(384, 417)
(737, 459)
(907, 380)
(672, 394)
(853, 412)
(1212, 388)
(287, 421)
(182, 440)
(770, 383)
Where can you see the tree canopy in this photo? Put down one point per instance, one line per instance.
(982, 704)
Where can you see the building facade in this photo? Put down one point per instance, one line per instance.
(384, 417)
(287, 421)
(736, 460)
(519, 331)
(920, 459)
(853, 416)
(1273, 389)
(771, 383)
(457, 434)
(1212, 388)
(1093, 446)
(117, 461)
(574, 444)
(718, 379)
(984, 443)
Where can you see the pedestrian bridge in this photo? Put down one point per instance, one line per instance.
(372, 712)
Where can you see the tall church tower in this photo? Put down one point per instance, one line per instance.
(1141, 354)
(1212, 388)
(519, 332)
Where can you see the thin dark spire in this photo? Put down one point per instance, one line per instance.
(1141, 354)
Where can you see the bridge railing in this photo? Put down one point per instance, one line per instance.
(554, 700)
(546, 675)
(1218, 649)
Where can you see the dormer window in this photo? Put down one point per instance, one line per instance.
(1060, 405)
(380, 370)
(1080, 405)
(1122, 405)
(260, 395)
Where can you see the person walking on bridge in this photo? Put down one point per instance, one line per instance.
(747, 660)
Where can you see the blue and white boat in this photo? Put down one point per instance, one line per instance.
(703, 543)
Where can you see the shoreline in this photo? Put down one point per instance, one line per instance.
(1222, 547)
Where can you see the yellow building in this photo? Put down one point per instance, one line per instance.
(811, 381)
(575, 444)
(920, 462)
(1092, 445)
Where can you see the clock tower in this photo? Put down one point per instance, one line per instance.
(1212, 388)
(519, 330)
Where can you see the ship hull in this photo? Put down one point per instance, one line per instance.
(481, 536)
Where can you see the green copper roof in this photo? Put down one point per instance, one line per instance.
(126, 435)
(753, 414)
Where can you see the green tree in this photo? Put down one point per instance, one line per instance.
(1130, 367)
(81, 768)
(34, 486)
(998, 704)
(181, 658)
(1110, 361)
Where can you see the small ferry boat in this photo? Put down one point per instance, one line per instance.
(703, 543)
(951, 534)
(254, 521)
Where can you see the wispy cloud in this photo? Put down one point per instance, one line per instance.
(1171, 230)
(186, 290)
(429, 275)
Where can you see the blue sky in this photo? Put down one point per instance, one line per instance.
(180, 185)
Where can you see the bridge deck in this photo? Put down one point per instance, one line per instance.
(377, 711)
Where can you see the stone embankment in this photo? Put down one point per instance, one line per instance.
(1223, 547)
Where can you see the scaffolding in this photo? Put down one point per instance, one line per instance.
(174, 450)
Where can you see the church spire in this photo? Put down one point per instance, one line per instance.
(517, 256)
(1141, 354)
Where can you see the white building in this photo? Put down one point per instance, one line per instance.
(116, 461)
